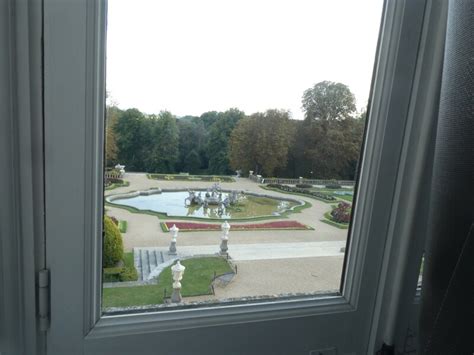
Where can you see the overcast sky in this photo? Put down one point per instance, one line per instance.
(193, 56)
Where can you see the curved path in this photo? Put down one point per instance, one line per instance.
(145, 231)
(280, 270)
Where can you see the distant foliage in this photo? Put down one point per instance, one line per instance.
(325, 145)
(304, 186)
(333, 186)
(261, 142)
(113, 244)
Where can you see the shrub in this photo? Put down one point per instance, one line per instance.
(120, 274)
(333, 185)
(113, 244)
(342, 213)
(129, 274)
(304, 186)
(115, 220)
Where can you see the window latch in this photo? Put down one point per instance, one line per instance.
(43, 299)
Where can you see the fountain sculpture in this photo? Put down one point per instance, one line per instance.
(213, 196)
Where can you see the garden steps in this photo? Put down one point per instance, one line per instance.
(150, 261)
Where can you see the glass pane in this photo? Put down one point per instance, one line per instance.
(233, 137)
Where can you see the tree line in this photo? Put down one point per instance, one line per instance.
(326, 144)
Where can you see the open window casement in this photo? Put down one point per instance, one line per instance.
(73, 82)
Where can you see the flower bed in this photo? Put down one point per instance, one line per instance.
(196, 227)
(342, 213)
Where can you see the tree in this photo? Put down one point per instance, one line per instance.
(260, 142)
(164, 150)
(217, 148)
(192, 136)
(192, 162)
(132, 139)
(111, 149)
(328, 101)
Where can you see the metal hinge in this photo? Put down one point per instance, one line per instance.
(43, 299)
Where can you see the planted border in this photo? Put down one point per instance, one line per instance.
(328, 220)
(204, 227)
(115, 185)
(297, 193)
(179, 177)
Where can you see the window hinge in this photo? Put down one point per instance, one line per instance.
(43, 299)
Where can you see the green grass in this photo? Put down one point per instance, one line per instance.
(196, 281)
(115, 185)
(128, 259)
(122, 226)
(328, 220)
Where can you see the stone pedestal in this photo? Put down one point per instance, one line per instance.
(224, 247)
(172, 249)
(176, 295)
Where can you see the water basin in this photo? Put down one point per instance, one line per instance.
(172, 203)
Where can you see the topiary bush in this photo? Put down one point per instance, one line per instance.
(113, 243)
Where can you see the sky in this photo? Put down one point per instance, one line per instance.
(194, 56)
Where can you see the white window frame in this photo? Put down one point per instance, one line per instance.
(74, 53)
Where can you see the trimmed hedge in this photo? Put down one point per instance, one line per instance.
(304, 186)
(304, 191)
(182, 177)
(113, 244)
(120, 274)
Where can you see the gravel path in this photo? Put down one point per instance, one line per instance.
(280, 276)
(267, 276)
(145, 231)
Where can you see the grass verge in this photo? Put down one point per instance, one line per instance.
(115, 185)
(196, 281)
(122, 226)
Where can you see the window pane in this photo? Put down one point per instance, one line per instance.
(233, 137)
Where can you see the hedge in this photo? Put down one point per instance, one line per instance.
(113, 244)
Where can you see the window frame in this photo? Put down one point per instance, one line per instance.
(376, 188)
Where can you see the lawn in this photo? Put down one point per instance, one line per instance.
(117, 184)
(196, 281)
(122, 226)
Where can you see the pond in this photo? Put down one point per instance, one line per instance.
(173, 204)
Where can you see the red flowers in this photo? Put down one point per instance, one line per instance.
(342, 213)
(190, 226)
